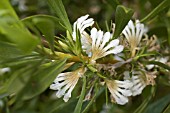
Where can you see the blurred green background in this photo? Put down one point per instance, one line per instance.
(102, 11)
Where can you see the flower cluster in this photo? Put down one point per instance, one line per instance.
(109, 60)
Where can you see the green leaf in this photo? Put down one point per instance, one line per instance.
(89, 104)
(156, 11)
(18, 79)
(55, 20)
(46, 24)
(6, 6)
(167, 110)
(80, 101)
(9, 51)
(159, 105)
(47, 28)
(13, 29)
(59, 9)
(167, 23)
(78, 43)
(145, 103)
(42, 79)
(21, 61)
(58, 105)
(23, 39)
(122, 17)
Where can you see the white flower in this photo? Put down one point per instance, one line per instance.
(138, 80)
(86, 42)
(133, 33)
(102, 45)
(150, 66)
(120, 90)
(4, 70)
(163, 60)
(81, 24)
(97, 44)
(65, 83)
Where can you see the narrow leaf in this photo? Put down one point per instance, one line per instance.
(18, 79)
(23, 39)
(46, 25)
(6, 6)
(12, 29)
(58, 105)
(89, 104)
(42, 79)
(158, 106)
(122, 17)
(47, 28)
(159, 64)
(55, 20)
(58, 7)
(9, 51)
(167, 23)
(145, 103)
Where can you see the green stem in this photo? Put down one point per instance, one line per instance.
(71, 57)
(167, 23)
(101, 76)
(157, 10)
(6, 106)
(106, 91)
(90, 103)
(80, 101)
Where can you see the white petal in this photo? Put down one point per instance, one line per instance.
(138, 90)
(132, 27)
(126, 35)
(118, 58)
(106, 38)
(125, 92)
(116, 50)
(120, 90)
(122, 99)
(54, 87)
(93, 36)
(4, 70)
(124, 84)
(81, 24)
(141, 33)
(62, 91)
(150, 66)
(65, 83)
(164, 60)
(81, 20)
(68, 94)
(86, 24)
(115, 42)
(99, 38)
